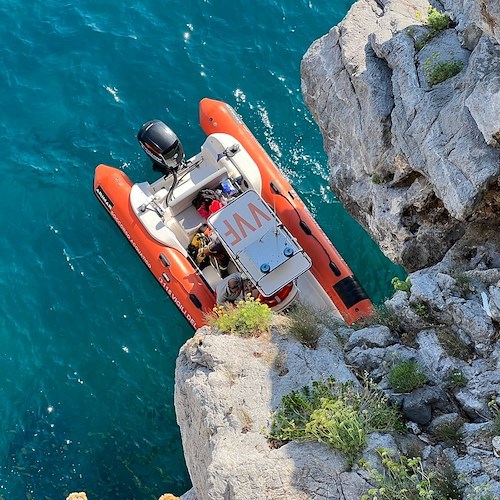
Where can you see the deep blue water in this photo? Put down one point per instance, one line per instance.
(89, 339)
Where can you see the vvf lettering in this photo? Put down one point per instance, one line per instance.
(239, 226)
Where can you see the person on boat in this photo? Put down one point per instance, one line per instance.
(234, 288)
(204, 245)
(214, 248)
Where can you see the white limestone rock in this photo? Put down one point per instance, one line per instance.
(414, 164)
(377, 336)
(226, 389)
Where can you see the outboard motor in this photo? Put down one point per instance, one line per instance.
(162, 145)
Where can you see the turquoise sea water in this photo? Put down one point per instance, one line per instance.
(89, 339)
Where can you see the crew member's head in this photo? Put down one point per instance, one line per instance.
(235, 285)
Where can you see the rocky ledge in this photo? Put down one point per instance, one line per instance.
(416, 161)
(447, 323)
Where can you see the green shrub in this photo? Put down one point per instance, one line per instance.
(339, 415)
(401, 285)
(441, 71)
(337, 424)
(248, 317)
(422, 310)
(435, 22)
(406, 376)
(403, 477)
(456, 379)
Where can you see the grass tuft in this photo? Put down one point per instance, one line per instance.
(456, 379)
(304, 325)
(406, 376)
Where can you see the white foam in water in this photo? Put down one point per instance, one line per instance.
(114, 92)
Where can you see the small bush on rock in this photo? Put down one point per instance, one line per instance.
(304, 324)
(436, 22)
(246, 318)
(456, 379)
(401, 285)
(339, 415)
(403, 477)
(440, 71)
(406, 376)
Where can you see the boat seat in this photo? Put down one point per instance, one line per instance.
(178, 230)
(189, 219)
(212, 276)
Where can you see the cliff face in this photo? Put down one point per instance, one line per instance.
(226, 389)
(417, 165)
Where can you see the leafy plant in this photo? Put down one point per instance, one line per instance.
(456, 379)
(406, 376)
(441, 71)
(422, 310)
(436, 21)
(401, 285)
(246, 318)
(402, 477)
(339, 415)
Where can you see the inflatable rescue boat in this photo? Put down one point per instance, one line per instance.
(265, 230)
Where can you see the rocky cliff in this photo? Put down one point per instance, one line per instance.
(418, 164)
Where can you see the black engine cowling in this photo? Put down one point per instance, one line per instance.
(161, 144)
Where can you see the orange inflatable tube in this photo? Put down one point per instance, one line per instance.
(182, 281)
(329, 268)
